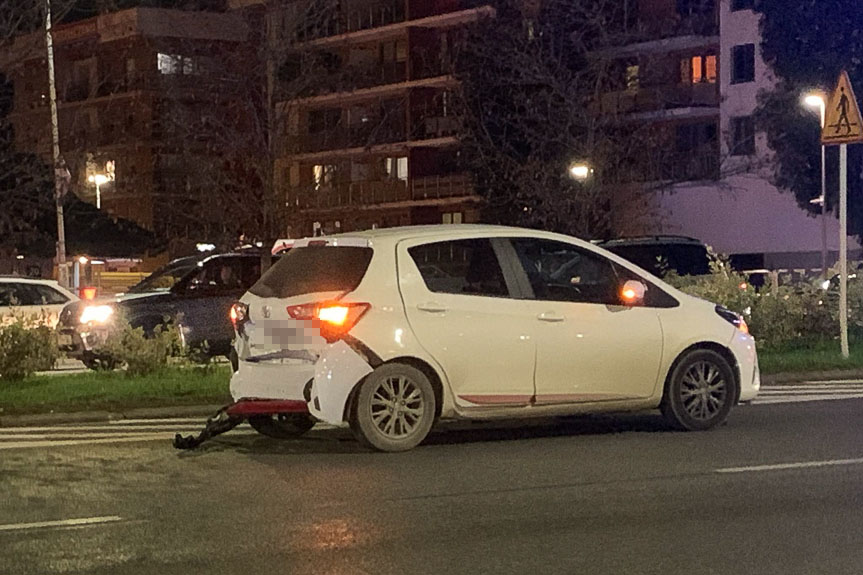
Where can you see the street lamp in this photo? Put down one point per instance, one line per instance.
(580, 171)
(98, 179)
(817, 101)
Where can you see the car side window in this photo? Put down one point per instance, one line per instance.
(464, 267)
(217, 276)
(250, 271)
(15, 294)
(47, 295)
(562, 272)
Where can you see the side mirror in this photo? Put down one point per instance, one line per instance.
(632, 293)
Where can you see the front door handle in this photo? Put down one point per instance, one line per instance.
(431, 307)
(550, 317)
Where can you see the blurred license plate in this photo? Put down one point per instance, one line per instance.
(64, 339)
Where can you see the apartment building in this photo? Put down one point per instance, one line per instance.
(695, 73)
(369, 138)
(141, 94)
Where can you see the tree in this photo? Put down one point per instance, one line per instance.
(532, 82)
(807, 44)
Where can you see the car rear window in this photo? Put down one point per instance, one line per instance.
(314, 269)
(684, 259)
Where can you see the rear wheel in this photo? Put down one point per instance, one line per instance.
(100, 362)
(282, 425)
(700, 392)
(394, 408)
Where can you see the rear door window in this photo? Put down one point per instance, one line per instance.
(314, 269)
(466, 267)
(16, 294)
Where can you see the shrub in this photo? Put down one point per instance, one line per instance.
(26, 348)
(778, 315)
(141, 353)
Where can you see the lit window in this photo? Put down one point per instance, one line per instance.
(698, 69)
(632, 80)
(173, 64)
(397, 168)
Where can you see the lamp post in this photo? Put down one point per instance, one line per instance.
(817, 101)
(98, 179)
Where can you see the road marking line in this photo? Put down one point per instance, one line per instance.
(163, 436)
(782, 466)
(201, 420)
(61, 436)
(106, 428)
(61, 523)
(809, 398)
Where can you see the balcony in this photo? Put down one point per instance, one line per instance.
(353, 78)
(372, 133)
(354, 17)
(664, 35)
(377, 193)
(697, 165)
(659, 99)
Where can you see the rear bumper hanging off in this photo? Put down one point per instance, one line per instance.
(234, 414)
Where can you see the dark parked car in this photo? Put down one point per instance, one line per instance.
(195, 293)
(659, 254)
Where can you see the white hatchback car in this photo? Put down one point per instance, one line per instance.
(389, 330)
(32, 299)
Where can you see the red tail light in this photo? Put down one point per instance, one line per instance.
(88, 293)
(239, 314)
(334, 319)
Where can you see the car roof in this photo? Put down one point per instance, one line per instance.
(650, 240)
(26, 280)
(434, 230)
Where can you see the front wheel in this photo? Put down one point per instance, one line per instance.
(394, 408)
(700, 392)
(282, 425)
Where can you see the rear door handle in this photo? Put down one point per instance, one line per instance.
(431, 307)
(550, 317)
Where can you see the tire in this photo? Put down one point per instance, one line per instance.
(700, 392)
(394, 408)
(282, 425)
(100, 362)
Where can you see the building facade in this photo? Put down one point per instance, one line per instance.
(367, 128)
(141, 95)
(698, 79)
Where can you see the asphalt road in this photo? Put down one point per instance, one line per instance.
(585, 495)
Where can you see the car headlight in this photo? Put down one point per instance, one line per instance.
(734, 319)
(97, 314)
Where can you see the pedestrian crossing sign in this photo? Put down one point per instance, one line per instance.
(842, 122)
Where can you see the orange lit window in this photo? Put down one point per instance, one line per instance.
(696, 69)
(710, 69)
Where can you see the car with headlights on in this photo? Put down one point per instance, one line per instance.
(388, 331)
(194, 293)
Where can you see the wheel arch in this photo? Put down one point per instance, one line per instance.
(415, 362)
(720, 349)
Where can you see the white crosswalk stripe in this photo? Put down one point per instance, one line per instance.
(119, 431)
(810, 391)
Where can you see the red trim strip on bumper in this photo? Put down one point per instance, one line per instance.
(267, 406)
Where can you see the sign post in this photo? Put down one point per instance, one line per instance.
(843, 125)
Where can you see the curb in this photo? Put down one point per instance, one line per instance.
(812, 376)
(202, 411)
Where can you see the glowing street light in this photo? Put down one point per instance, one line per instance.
(818, 101)
(99, 180)
(580, 171)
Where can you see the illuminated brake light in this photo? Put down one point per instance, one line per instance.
(336, 314)
(88, 293)
(333, 319)
(239, 314)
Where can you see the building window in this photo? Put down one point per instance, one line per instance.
(632, 79)
(742, 136)
(175, 64)
(698, 69)
(742, 5)
(324, 175)
(743, 63)
(452, 218)
(397, 168)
